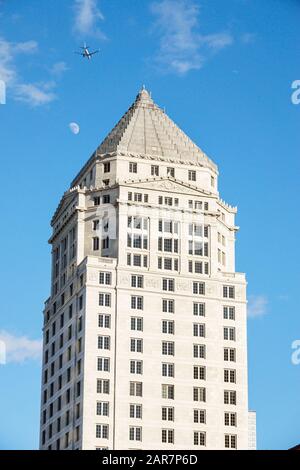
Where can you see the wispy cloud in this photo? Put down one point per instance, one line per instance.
(182, 46)
(58, 69)
(19, 349)
(248, 38)
(33, 94)
(87, 17)
(257, 306)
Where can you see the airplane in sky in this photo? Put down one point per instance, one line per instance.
(85, 53)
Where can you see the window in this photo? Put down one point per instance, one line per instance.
(136, 367)
(199, 309)
(167, 436)
(168, 369)
(135, 433)
(199, 288)
(168, 285)
(102, 408)
(167, 413)
(102, 386)
(136, 324)
(132, 167)
(199, 330)
(168, 348)
(229, 419)
(169, 264)
(192, 175)
(229, 313)
(230, 376)
(154, 170)
(105, 278)
(229, 397)
(199, 416)
(230, 441)
(97, 201)
(137, 281)
(136, 345)
(106, 199)
(168, 327)
(168, 305)
(200, 372)
(229, 354)
(106, 167)
(104, 342)
(103, 364)
(135, 411)
(136, 389)
(105, 243)
(228, 292)
(104, 320)
(102, 431)
(199, 351)
(168, 391)
(199, 438)
(229, 333)
(199, 394)
(171, 171)
(104, 300)
(137, 302)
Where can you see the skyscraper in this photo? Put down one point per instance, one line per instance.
(145, 343)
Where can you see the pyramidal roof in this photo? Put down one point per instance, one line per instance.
(145, 129)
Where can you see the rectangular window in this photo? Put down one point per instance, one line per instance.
(135, 433)
(103, 364)
(96, 243)
(230, 441)
(154, 170)
(171, 172)
(168, 348)
(199, 416)
(229, 354)
(104, 320)
(228, 313)
(105, 278)
(97, 201)
(199, 288)
(229, 333)
(200, 372)
(137, 302)
(168, 285)
(135, 411)
(199, 394)
(106, 167)
(104, 299)
(167, 413)
(167, 436)
(136, 345)
(136, 389)
(137, 281)
(192, 175)
(228, 292)
(103, 386)
(168, 369)
(199, 351)
(168, 327)
(199, 330)
(136, 324)
(230, 376)
(229, 419)
(199, 438)
(229, 397)
(168, 391)
(102, 408)
(199, 309)
(132, 167)
(136, 367)
(102, 431)
(168, 305)
(104, 342)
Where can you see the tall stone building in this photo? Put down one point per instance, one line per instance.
(145, 342)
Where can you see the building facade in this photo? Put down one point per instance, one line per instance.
(145, 343)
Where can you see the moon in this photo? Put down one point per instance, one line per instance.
(74, 128)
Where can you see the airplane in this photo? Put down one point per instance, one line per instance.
(86, 54)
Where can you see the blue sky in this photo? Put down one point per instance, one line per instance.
(223, 71)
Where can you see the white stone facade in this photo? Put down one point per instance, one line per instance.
(145, 342)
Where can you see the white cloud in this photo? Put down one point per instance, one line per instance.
(19, 349)
(87, 16)
(257, 306)
(33, 94)
(58, 68)
(248, 38)
(182, 46)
